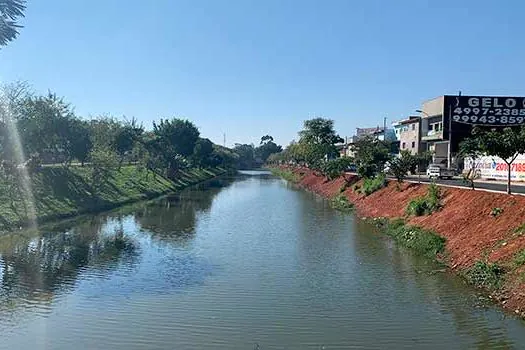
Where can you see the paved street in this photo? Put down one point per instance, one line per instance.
(486, 185)
(480, 184)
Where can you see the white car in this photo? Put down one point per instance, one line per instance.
(438, 171)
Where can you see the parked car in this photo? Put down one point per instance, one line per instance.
(439, 171)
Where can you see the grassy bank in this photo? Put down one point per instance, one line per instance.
(286, 174)
(60, 193)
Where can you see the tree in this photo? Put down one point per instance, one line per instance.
(400, 166)
(44, 124)
(175, 140)
(246, 154)
(179, 134)
(471, 148)
(126, 137)
(80, 144)
(103, 159)
(334, 168)
(319, 136)
(506, 144)
(266, 139)
(202, 152)
(266, 148)
(10, 12)
(371, 155)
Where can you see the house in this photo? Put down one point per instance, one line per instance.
(383, 134)
(407, 133)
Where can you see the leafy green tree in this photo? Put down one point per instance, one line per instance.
(334, 168)
(10, 12)
(80, 144)
(371, 156)
(266, 148)
(202, 152)
(178, 134)
(104, 130)
(223, 156)
(506, 144)
(175, 140)
(44, 124)
(126, 137)
(400, 166)
(246, 155)
(471, 148)
(103, 160)
(266, 139)
(318, 138)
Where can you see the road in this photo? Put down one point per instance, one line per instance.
(458, 182)
(484, 185)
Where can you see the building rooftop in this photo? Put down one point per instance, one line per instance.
(411, 119)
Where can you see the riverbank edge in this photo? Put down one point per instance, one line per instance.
(165, 186)
(508, 295)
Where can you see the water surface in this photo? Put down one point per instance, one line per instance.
(241, 263)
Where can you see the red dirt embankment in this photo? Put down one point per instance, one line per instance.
(465, 220)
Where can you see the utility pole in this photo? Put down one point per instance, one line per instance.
(224, 139)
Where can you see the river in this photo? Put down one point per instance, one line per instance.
(247, 262)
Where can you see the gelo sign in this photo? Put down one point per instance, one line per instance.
(485, 110)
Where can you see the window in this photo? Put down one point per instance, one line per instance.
(403, 146)
(413, 126)
(413, 144)
(431, 127)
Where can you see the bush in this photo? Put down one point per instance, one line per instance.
(519, 258)
(495, 212)
(426, 205)
(371, 185)
(424, 242)
(340, 202)
(288, 175)
(485, 275)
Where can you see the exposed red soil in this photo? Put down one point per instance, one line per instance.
(465, 220)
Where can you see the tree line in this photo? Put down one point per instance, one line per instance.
(49, 132)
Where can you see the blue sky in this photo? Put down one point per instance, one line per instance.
(253, 67)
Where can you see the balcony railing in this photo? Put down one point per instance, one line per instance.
(433, 135)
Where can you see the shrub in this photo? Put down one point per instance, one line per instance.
(288, 175)
(495, 212)
(340, 202)
(426, 205)
(485, 275)
(520, 230)
(422, 241)
(371, 185)
(519, 258)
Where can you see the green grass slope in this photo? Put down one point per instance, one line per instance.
(60, 192)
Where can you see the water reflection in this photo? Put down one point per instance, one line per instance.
(438, 289)
(227, 265)
(37, 267)
(173, 219)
